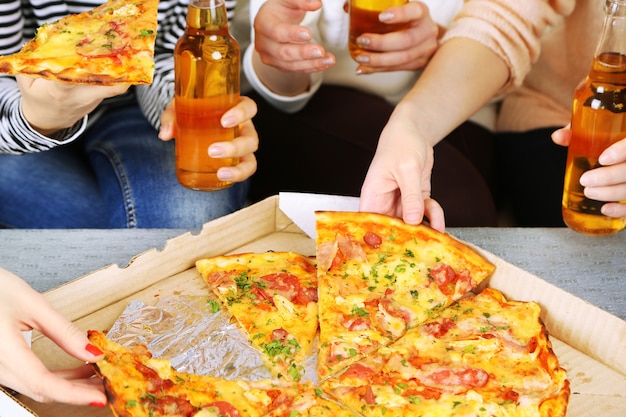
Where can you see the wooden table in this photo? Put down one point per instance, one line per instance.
(592, 268)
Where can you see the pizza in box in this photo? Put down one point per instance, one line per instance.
(403, 329)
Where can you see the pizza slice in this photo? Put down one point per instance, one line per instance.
(111, 44)
(484, 356)
(273, 296)
(311, 402)
(379, 276)
(138, 385)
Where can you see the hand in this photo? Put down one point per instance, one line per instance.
(281, 42)
(398, 180)
(23, 309)
(607, 183)
(50, 106)
(242, 147)
(408, 49)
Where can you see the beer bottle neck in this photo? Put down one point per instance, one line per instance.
(613, 37)
(207, 16)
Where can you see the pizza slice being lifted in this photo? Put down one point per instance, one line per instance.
(273, 296)
(379, 276)
(111, 44)
(483, 356)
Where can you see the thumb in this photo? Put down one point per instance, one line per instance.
(412, 206)
(167, 130)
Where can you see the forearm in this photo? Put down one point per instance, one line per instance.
(461, 77)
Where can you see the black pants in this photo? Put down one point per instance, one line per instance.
(327, 148)
(530, 170)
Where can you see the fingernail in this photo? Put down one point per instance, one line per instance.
(316, 53)
(303, 35)
(363, 59)
(216, 151)
(93, 350)
(607, 157)
(385, 16)
(363, 41)
(225, 174)
(228, 121)
(97, 404)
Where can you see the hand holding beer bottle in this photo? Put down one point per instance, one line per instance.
(206, 64)
(598, 121)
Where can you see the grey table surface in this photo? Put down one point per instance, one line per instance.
(592, 268)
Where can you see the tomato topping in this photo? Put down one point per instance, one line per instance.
(287, 285)
(368, 396)
(372, 239)
(224, 408)
(358, 370)
(445, 278)
(511, 395)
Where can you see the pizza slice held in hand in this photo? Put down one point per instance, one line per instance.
(379, 276)
(111, 44)
(273, 296)
(483, 356)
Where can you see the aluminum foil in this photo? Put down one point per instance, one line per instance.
(186, 331)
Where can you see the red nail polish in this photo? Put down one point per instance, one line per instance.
(96, 404)
(93, 350)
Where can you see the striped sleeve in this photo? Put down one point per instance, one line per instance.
(16, 135)
(19, 20)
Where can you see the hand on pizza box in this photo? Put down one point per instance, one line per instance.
(23, 309)
(242, 147)
(49, 106)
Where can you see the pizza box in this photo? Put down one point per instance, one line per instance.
(590, 343)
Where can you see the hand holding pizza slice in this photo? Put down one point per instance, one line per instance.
(109, 45)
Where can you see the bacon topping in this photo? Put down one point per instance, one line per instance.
(438, 328)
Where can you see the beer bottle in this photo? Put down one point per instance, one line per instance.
(598, 120)
(206, 68)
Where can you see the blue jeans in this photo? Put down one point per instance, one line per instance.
(117, 175)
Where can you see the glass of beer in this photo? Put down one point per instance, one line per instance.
(364, 19)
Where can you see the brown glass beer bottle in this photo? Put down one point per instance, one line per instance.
(598, 120)
(206, 68)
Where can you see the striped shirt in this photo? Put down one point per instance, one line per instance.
(19, 20)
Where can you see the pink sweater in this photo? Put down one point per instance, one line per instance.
(548, 46)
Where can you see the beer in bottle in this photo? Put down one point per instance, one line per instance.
(598, 120)
(206, 67)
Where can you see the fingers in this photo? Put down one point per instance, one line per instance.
(26, 374)
(245, 110)
(608, 183)
(167, 131)
(434, 212)
(242, 147)
(614, 210)
(407, 49)
(614, 154)
(562, 136)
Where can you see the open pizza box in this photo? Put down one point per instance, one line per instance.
(590, 343)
